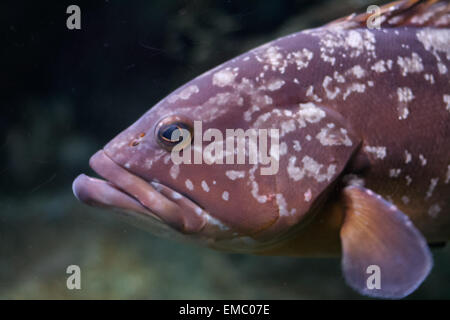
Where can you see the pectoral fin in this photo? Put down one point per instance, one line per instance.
(383, 254)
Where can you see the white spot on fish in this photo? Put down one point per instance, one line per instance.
(167, 159)
(183, 94)
(275, 85)
(297, 147)
(248, 113)
(355, 43)
(423, 160)
(331, 94)
(378, 152)
(273, 59)
(282, 206)
(358, 72)
(393, 207)
(311, 168)
(431, 188)
(174, 171)
(340, 78)
(408, 157)
(233, 174)
(189, 184)
(354, 180)
(408, 180)
(310, 112)
(308, 195)
(255, 186)
(176, 195)
(410, 65)
(442, 68)
(300, 58)
(355, 87)
(283, 148)
(429, 77)
(405, 200)
(205, 186)
(446, 99)
(436, 41)
(355, 40)
(224, 78)
(287, 126)
(148, 164)
(394, 173)
(225, 195)
(447, 177)
(382, 66)
(215, 222)
(310, 93)
(328, 136)
(434, 210)
(405, 96)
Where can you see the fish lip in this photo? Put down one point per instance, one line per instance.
(104, 194)
(125, 190)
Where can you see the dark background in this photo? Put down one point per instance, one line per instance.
(65, 93)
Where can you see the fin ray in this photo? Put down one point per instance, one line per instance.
(376, 233)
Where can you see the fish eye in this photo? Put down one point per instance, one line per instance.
(174, 132)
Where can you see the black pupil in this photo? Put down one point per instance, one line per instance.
(168, 131)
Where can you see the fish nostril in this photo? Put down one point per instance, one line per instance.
(136, 142)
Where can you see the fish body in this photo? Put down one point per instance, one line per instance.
(359, 162)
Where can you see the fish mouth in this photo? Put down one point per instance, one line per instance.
(125, 191)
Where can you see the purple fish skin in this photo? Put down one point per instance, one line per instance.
(369, 106)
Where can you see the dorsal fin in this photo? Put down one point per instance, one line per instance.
(414, 13)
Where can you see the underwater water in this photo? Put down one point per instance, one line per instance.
(68, 92)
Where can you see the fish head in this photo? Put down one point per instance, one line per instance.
(206, 200)
(244, 198)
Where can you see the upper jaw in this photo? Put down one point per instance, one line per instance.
(126, 191)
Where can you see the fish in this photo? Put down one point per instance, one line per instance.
(349, 124)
